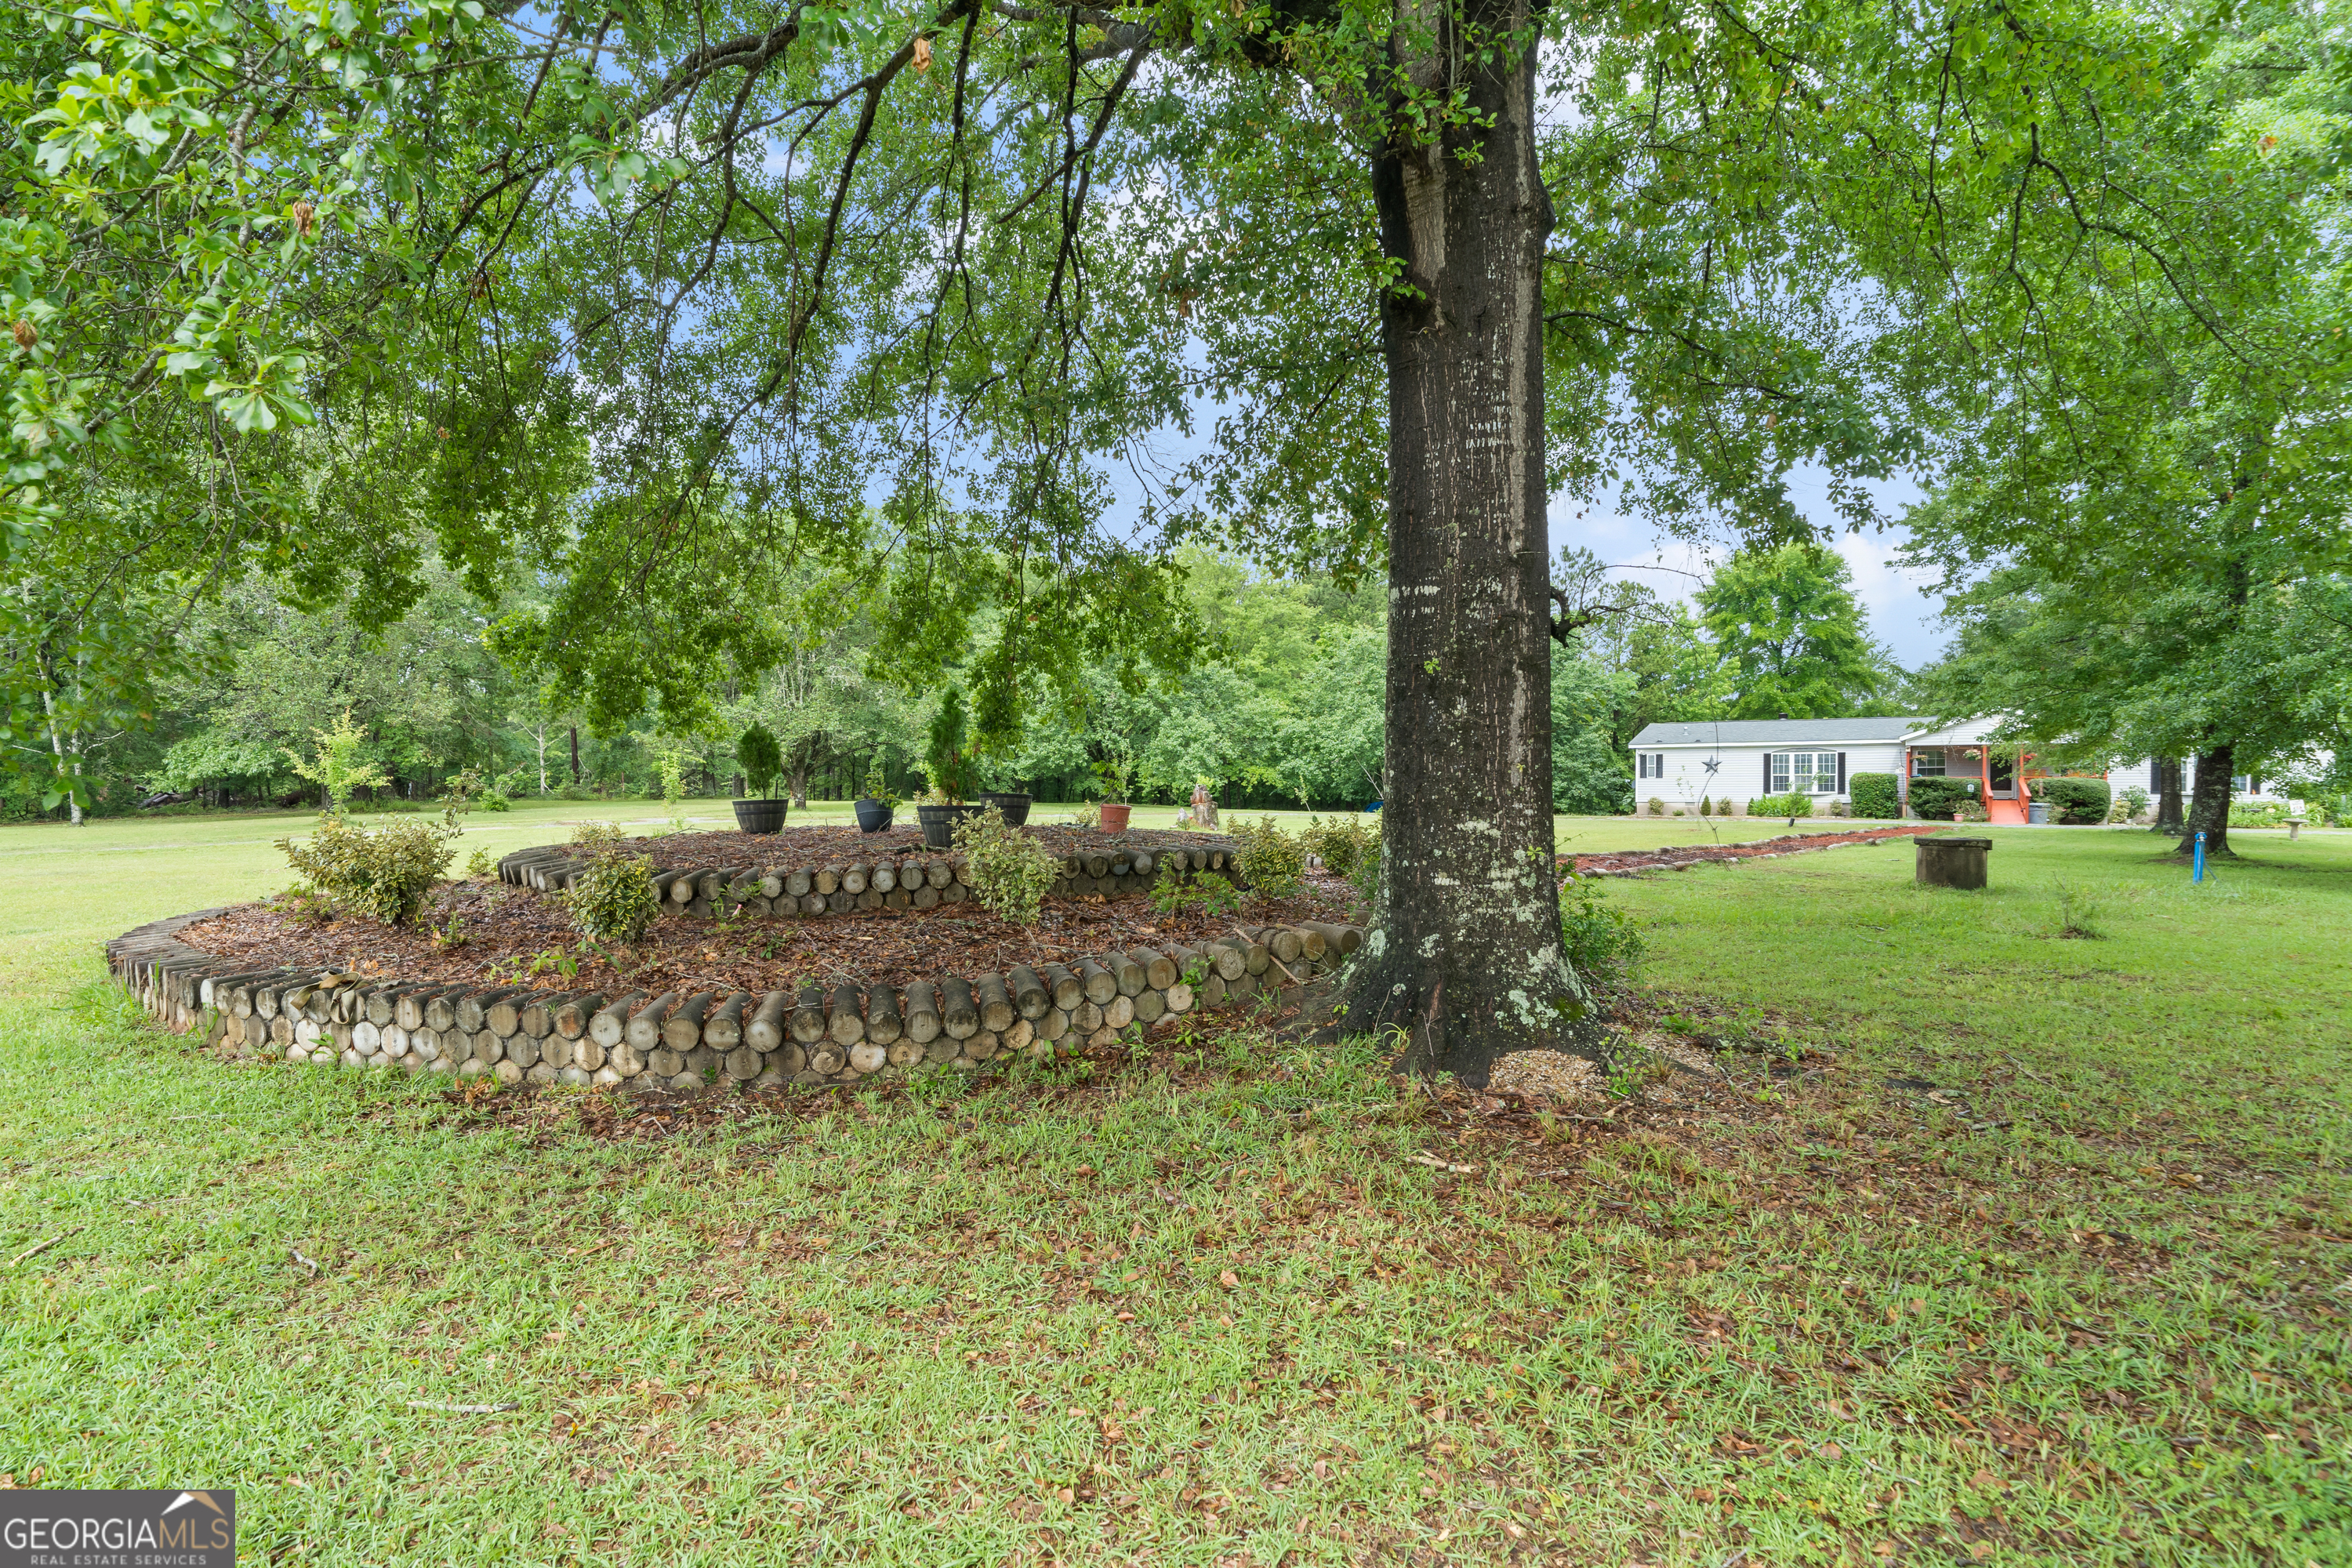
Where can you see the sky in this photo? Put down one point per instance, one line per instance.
(1903, 615)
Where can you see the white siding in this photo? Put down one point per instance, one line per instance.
(1739, 771)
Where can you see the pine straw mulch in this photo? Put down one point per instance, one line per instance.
(818, 846)
(499, 930)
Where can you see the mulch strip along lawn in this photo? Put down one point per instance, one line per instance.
(1628, 862)
(504, 927)
(721, 848)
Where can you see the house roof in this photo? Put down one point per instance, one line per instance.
(1776, 731)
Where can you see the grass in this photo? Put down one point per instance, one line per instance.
(2039, 1254)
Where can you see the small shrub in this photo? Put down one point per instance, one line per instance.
(1657, 807)
(1603, 943)
(2257, 813)
(1971, 810)
(2075, 802)
(1873, 794)
(614, 901)
(1087, 816)
(597, 836)
(876, 791)
(496, 800)
(2079, 910)
(1936, 799)
(383, 875)
(575, 792)
(1274, 862)
(480, 864)
(2128, 806)
(1011, 872)
(1342, 843)
(1172, 892)
(1795, 803)
(762, 758)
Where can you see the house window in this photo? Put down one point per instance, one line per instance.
(1805, 772)
(1927, 762)
(1649, 764)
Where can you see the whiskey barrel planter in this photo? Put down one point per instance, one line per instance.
(939, 823)
(1014, 804)
(872, 817)
(1942, 862)
(760, 816)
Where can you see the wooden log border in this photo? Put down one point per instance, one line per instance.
(819, 1035)
(919, 879)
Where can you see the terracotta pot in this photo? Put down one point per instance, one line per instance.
(1114, 817)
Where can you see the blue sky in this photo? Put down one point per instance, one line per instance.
(1902, 613)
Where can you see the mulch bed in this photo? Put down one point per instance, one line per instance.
(504, 926)
(1632, 862)
(725, 847)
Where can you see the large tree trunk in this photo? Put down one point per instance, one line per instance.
(575, 754)
(800, 784)
(1466, 956)
(2167, 796)
(2209, 804)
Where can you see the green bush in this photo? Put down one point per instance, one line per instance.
(1011, 872)
(763, 759)
(1796, 803)
(1342, 843)
(1873, 794)
(1936, 799)
(614, 900)
(383, 875)
(2075, 802)
(2257, 813)
(1273, 862)
(2129, 805)
(1603, 943)
(575, 792)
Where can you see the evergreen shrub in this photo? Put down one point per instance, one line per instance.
(383, 875)
(614, 901)
(1011, 872)
(1275, 862)
(1936, 799)
(1873, 794)
(2075, 802)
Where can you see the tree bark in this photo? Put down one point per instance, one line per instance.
(2167, 796)
(800, 784)
(2208, 803)
(575, 754)
(1465, 960)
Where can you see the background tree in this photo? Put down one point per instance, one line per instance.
(1792, 635)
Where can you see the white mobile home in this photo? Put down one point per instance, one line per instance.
(1739, 758)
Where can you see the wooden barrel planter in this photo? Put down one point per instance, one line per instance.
(872, 817)
(1014, 804)
(760, 816)
(1947, 862)
(939, 823)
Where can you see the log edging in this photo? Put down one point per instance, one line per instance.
(917, 879)
(818, 1035)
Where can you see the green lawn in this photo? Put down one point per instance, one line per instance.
(2072, 1288)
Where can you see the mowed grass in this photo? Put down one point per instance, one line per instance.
(2071, 1288)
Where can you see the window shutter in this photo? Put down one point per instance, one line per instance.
(1841, 788)
(2155, 776)
(1768, 772)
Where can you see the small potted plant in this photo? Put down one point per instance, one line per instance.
(947, 760)
(763, 763)
(881, 802)
(1110, 775)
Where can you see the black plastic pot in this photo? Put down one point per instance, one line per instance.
(1014, 804)
(760, 816)
(872, 817)
(939, 823)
